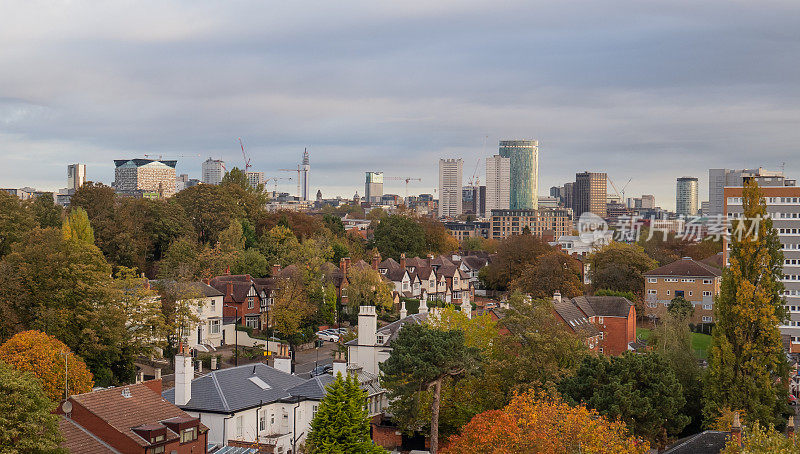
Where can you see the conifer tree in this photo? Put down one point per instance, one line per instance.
(747, 367)
(341, 424)
(76, 227)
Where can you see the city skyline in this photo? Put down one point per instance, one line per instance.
(383, 89)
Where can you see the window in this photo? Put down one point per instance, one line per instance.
(239, 426)
(690, 293)
(652, 292)
(601, 349)
(380, 339)
(707, 307)
(602, 335)
(707, 319)
(158, 438)
(251, 322)
(188, 435)
(250, 302)
(158, 450)
(600, 320)
(314, 412)
(215, 326)
(344, 292)
(213, 304)
(652, 280)
(272, 418)
(706, 281)
(668, 292)
(653, 305)
(706, 293)
(262, 423)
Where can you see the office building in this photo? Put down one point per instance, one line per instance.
(648, 201)
(76, 176)
(524, 171)
(718, 179)
(373, 187)
(304, 174)
(590, 193)
(783, 207)
(146, 177)
(255, 178)
(473, 200)
(569, 196)
(450, 177)
(498, 183)
(555, 222)
(212, 171)
(686, 197)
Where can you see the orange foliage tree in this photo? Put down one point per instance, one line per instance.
(543, 424)
(44, 356)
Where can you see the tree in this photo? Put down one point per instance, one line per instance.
(341, 424)
(178, 303)
(438, 240)
(334, 224)
(747, 367)
(397, 234)
(188, 261)
(620, 267)
(210, 208)
(514, 255)
(536, 423)
(15, 222)
(757, 439)
(553, 271)
(421, 359)
(26, 414)
(640, 390)
(680, 307)
(366, 287)
(45, 212)
(47, 358)
(76, 227)
(236, 176)
(292, 305)
(279, 245)
(142, 310)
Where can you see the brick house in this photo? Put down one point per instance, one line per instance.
(615, 319)
(578, 322)
(241, 300)
(129, 419)
(698, 282)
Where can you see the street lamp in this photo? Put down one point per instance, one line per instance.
(235, 332)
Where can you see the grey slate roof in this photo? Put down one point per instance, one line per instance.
(708, 442)
(230, 390)
(603, 306)
(313, 388)
(575, 319)
(200, 288)
(392, 330)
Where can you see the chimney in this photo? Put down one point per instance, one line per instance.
(376, 260)
(736, 429)
(213, 363)
(367, 325)
(403, 261)
(282, 361)
(339, 366)
(403, 311)
(230, 291)
(423, 303)
(343, 265)
(430, 259)
(157, 374)
(184, 373)
(790, 427)
(228, 270)
(276, 269)
(207, 281)
(466, 309)
(557, 296)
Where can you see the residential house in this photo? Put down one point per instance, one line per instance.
(432, 278)
(206, 303)
(257, 405)
(614, 317)
(698, 282)
(242, 302)
(129, 419)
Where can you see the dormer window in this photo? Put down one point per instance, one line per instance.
(380, 339)
(383, 270)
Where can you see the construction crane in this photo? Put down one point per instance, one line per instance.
(244, 155)
(275, 181)
(406, 179)
(621, 196)
(299, 170)
(475, 180)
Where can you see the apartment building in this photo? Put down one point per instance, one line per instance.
(213, 170)
(719, 179)
(145, 176)
(450, 177)
(695, 281)
(589, 193)
(783, 206)
(506, 223)
(498, 183)
(523, 172)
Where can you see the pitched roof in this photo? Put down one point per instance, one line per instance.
(392, 330)
(686, 267)
(142, 406)
(474, 262)
(708, 442)
(78, 440)
(240, 287)
(715, 261)
(603, 306)
(229, 390)
(575, 319)
(199, 288)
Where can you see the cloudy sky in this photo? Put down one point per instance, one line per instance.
(648, 90)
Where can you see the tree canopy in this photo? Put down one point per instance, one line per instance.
(620, 267)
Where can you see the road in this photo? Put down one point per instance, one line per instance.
(306, 360)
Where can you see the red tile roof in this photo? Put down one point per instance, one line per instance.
(78, 440)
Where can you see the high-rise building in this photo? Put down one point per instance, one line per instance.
(524, 172)
(569, 196)
(590, 192)
(552, 221)
(473, 200)
(148, 176)
(648, 201)
(450, 178)
(305, 170)
(718, 179)
(686, 197)
(213, 171)
(255, 178)
(76, 176)
(373, 187)
(498, 183)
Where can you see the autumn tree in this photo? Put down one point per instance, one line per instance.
(48, 358)
(758, 439)
(421, 359)
(26, 418)
(640, 390)
(76, 227)
(553, 271)
(341, 423)
(620, 267)
(292, 305)
(177, 301)
(533, 422)
(747, 366)
(45, 212)
(210, 209)
(438, 240)
(397, 234)
(15, 222)
(366, 287)
(189, 261)
(514, 255)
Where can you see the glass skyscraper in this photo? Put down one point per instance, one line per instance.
(524, 155)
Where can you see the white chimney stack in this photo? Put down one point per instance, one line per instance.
(423, 303)
(184, 373)
(557, 296)
(403, 311)
(282, 361)
(339, 366)
(367, 325)
(466, 309)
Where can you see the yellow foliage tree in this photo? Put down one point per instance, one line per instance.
(47, 358)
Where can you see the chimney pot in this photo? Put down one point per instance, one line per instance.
(736, 429)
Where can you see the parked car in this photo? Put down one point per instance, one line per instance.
(792, 400)
(322, 370)
(327, 336)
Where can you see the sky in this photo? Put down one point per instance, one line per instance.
(644, 90)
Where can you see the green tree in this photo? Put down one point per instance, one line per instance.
(758, 439)
(553, 271)
(251, 262)
(514, 255)
(334, 224)
(680, 307)
(396, 234)
(641, 390)
(366, 287)
(341, 424)
(45, 211)
(25, 414)
(620, 267)
(76, 227)
(210, 208)
(747, 367)
(15, 222)
(236, 176)
(422, 358)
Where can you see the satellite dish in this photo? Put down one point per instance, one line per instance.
(67, 407)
